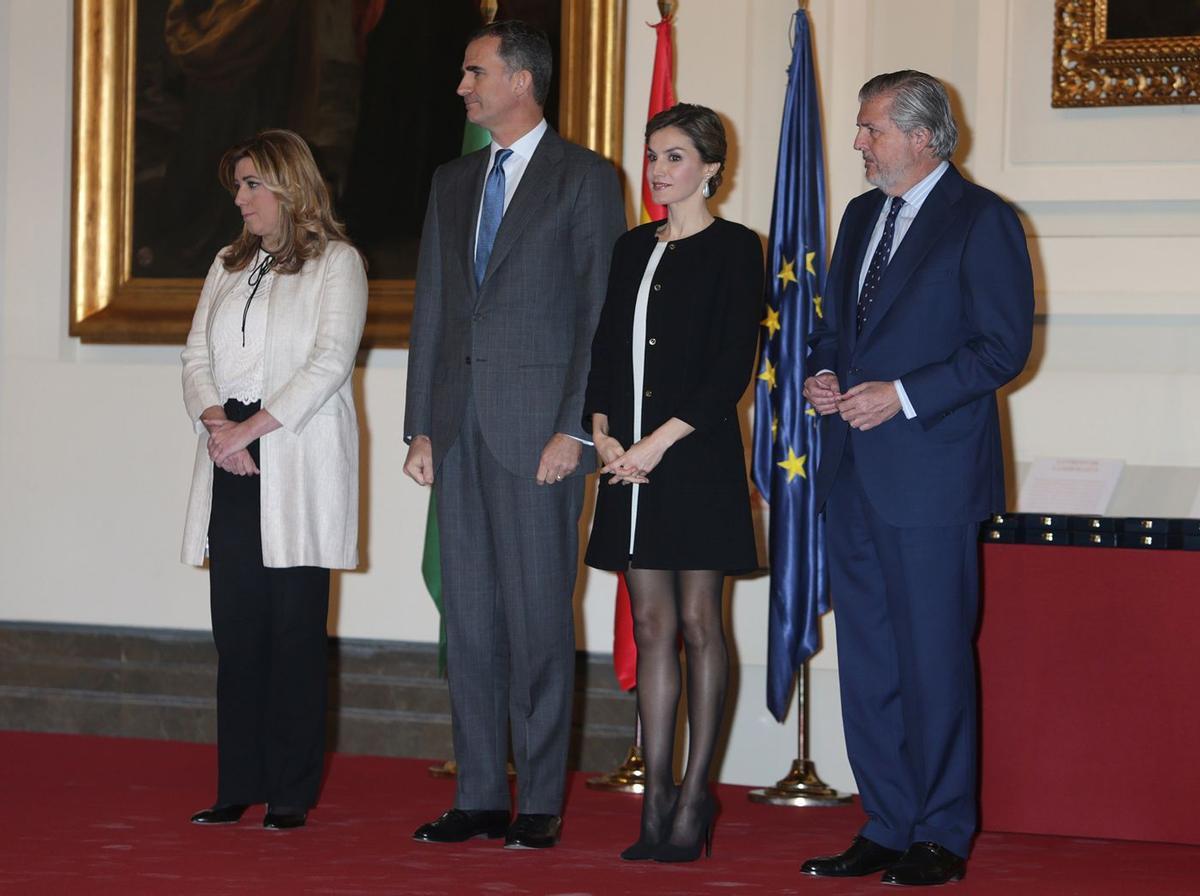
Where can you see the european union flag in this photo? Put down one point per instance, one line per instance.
(786, 438)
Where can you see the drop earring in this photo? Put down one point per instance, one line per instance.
(706, 190)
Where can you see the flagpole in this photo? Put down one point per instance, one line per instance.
(630, 775)
(802, 786)
(787, 445)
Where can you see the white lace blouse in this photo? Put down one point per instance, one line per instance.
(239, 334)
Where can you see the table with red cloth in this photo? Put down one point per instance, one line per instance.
(1089, 671)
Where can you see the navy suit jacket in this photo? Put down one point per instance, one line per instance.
(953, 321)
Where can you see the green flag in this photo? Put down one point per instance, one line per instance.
(474, 137)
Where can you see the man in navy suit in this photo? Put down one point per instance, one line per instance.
(928, 311)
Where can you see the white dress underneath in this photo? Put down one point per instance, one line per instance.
(639, 367)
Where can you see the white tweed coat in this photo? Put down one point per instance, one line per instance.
(310, 465)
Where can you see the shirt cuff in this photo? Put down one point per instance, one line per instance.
(909, 410)
(578, 439)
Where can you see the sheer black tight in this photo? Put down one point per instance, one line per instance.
(666, 602)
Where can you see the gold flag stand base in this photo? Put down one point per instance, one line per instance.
(449, 769)
(801, 787)
(629, 777)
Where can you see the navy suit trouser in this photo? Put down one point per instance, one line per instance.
(906, 602)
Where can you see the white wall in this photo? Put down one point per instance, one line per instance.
(95, 451)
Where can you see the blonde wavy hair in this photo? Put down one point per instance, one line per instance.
(286, 167)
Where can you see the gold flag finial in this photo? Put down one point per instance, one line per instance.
(666, 8)
(488, 9)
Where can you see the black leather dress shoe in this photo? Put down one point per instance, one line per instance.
(533, 832)
(863, 857)
(458, 825)
(230, 814)
(282, 819)
(926, 865)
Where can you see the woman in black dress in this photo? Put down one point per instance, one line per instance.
(672, 355)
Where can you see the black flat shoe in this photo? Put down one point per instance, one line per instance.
(926, 865)
(230, 814)
(533, 832)
(284, 819)
(458, 825)
(863, 857)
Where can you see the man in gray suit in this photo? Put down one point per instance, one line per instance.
(510, 282)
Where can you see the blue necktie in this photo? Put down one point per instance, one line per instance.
(489, 217)
(879, 261)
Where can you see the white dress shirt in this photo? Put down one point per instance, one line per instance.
(514, 166)
(913, 199)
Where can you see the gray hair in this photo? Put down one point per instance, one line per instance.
(918, 101)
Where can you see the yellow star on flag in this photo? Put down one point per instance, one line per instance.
(817, 303)
(774, 428)
(808, 262)
(794, 465)
(811, 412)
(771, 322)
(787, 273)
(768, 374)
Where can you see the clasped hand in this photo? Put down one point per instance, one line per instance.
(863, 407)
(630, 467)
(227, 443)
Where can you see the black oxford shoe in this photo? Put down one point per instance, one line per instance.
(284, 819)
(926, 865)
(863, 857)
(458, 825)
(229, 814)
(533, 832)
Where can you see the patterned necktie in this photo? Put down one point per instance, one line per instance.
(489, 217)
(879, 261)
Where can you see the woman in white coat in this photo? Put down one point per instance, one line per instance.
(274, 497)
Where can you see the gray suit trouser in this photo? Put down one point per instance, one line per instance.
(509, 557)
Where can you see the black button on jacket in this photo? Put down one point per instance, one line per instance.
(702, 325)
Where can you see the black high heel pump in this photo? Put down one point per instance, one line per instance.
(689, 852)
(646, 846)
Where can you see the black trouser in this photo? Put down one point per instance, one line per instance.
(272, 653)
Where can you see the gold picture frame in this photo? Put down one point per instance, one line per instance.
(1094, 67)
(108, 304)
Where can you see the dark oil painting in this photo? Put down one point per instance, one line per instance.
(1147, 19)
(368, 83)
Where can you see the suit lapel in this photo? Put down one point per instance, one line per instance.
(470, 195)
(536, 184)
(932, 219)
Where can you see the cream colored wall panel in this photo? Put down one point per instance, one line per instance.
(1144, 419)
(1102, 218)
(1121, 136)
(1116, 275)
(929, 35)
(38, 178)
(844, 64)
(1026, 150)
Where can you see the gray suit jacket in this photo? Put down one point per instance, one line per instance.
(520, 342)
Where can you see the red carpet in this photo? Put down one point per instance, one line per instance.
(88, 815)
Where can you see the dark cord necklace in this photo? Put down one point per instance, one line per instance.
(259, 272)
